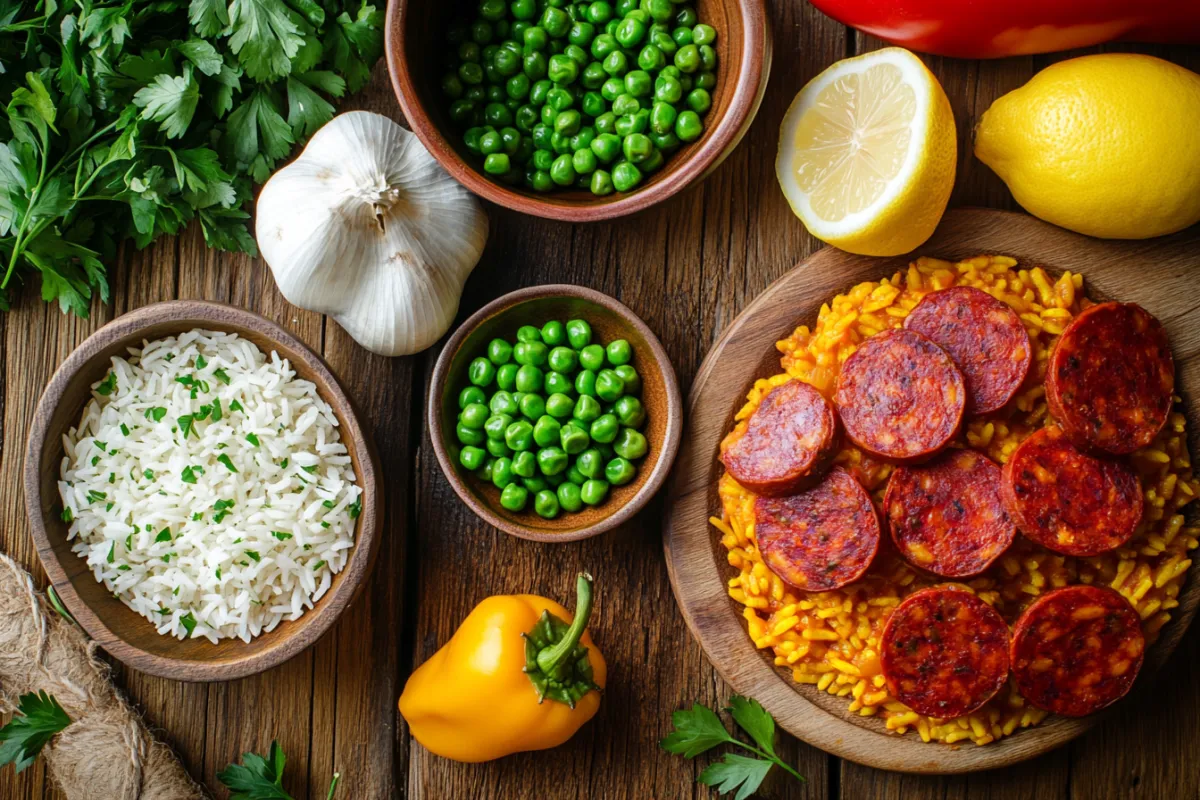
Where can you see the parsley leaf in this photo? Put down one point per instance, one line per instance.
(226, 462)
(264, 37)
(170, 101)
(699, 730)
(39, 718)
(107, 386)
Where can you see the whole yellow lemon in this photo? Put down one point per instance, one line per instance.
(1107, 145)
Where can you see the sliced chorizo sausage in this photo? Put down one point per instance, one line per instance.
(822, 538)
(1077, 649)
(1068, 501)
(1110, 378)
(946, 517)
(900, 396)
(983, 336)
(789, 440)
(944, 652)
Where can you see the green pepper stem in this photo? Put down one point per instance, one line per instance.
(554, 661)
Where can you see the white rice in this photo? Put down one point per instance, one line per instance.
(195, 548)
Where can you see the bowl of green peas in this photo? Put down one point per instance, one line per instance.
(579, 110)
(555, 413)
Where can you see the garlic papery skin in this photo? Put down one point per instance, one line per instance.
(367, 227)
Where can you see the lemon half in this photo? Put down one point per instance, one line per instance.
(867, 153)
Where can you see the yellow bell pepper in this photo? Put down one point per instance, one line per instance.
(518, 674)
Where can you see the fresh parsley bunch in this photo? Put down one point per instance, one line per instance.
(130, 118)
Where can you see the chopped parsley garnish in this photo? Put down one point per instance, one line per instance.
(318, 565)
(187, 621)
(157, 413)
(185, 424)
(129, 541)
(95, 460)
(124, 429)
(186, 380)
(148, 474)
(102, 445)
(328, 504)
(218, 573)
(254, 555)
(188, 475)
(108, 385)
(197, 517)
(112, 552)
(310, 470)
(216, 409)
(221, 375)
(252, 439)
(324, 524)
(201, 363)
(204, 411)
(235, 406)
(67, 516)
(283, 464)
(112, 477)
(123, 568)
(164, 535)
(94, 496)
(281, 536)
(109, 506)
(225, 461)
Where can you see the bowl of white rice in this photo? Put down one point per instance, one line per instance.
(200, 491)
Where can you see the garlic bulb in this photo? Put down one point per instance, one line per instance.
(367, 227)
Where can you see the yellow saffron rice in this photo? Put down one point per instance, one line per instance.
(831, 639)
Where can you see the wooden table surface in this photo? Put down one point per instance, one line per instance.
(687, 268)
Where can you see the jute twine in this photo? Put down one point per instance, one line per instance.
(106, 753)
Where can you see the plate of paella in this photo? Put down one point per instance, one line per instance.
(935, 512)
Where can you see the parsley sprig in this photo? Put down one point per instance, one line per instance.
(258, 778)
(39, 719)
(127, 119)
(699, 730)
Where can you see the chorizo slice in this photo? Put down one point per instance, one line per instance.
(822, 538)
(789, 440)
(1110, 378)
(946, 517)
(944, 652)
(900, 396)
(1077, 649)
(1067, 500)
(983, 336)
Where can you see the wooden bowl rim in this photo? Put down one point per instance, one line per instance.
(707, 608)
(671, 436)
(316, 621)
(744, 102)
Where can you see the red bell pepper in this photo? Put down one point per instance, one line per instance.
(994, 28)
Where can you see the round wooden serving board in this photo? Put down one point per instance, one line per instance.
(1160, 274)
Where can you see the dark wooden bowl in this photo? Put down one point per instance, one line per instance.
(119, 630)
(609, 320)
(416, 46)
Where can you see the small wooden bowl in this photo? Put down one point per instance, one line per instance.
(610, 320)
(416, 46)
(119, 630)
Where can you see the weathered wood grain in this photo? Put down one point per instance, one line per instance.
(687, 268)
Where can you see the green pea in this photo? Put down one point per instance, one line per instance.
(615, 63)
(599, 12)
(626, 176)
(590, 463)
(540, 181)
(496, 425)
(506, 376)
(472, 458)
(593, 492)
(662, 117)
(528, 333)
(568, 122)
(481, 372)
(535, 39)
(563, 359)
(688, 126)
(591, 358)
(579, 333)
(545, 504)
(606, 123)
(555, 21)
(554, 481)
(474, 416)
(601, 183)
(532, 406)
(547, 431)
(497, 164)
(529, 379)
(562, 171)
(585, 383)
(516, 31)
(507, 62)
(531, 353)
(560, 406)
(502, 474)
(639, 84)
(663, 41)
(602, 45)
(708, 57)
(561, 144)
(604, 430)
(659, 10)
(514, 497)
(497, 448)
(625, 6)
(637, 148)
(553, 333)
(452, 86)
(537, 483)
(688, 58)
(523, 9)
(562, 70)
(630, 412)
(503, 403)
(631, 32)
(625, 104)
(552, 460)
(575, 476)
(584, 161)
(540, 92)
(557, 383)
(484, 473)
(569, 496)
(542, 159)
(469, 395)
(519, 435)
(619, 471)
(612, 88)
(471, 139)
(633, 381)
(607, 147)
(577, 54)
(469, 436)
(587, 410)
(534, 65)
(593, 104)
(686, 17)
(609, 386)
(619, 352)
(524, 464)
(630, 444)
(574, 440)
(699, 100)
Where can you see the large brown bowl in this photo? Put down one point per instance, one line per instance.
(416, 49)
(610, 320)
(126, 635)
